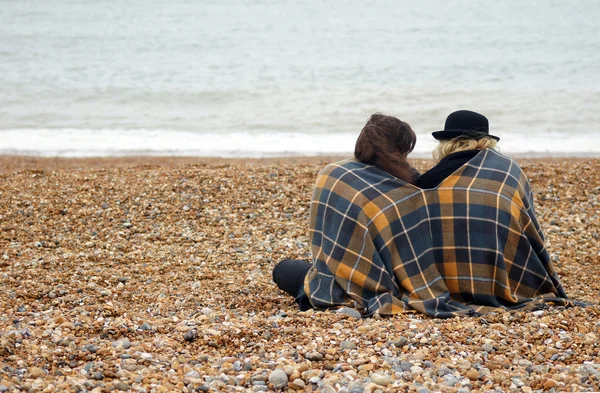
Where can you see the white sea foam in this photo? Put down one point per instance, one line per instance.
(95, 143)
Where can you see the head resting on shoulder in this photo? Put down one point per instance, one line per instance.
(385, 142)
(464, 130)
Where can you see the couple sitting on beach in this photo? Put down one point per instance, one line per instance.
(460, 239)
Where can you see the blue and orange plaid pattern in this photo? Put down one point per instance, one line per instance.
(472, 245)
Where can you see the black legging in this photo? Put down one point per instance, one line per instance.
(289, 275)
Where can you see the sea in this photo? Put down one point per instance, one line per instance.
(263, 78)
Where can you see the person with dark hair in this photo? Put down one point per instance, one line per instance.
(384, 143)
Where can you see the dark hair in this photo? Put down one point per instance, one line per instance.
(385, 141)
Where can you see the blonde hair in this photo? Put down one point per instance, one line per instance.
(462, 143)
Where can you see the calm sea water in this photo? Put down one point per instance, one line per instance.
(266, 77)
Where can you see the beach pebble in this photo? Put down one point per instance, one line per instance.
(122, 343)
(314, 356)
(37, 372)
(190, 335)
(450, 380)
(145, 326)
(347, 344)
(278, 378)
(400, 342)
(297, 384)
(381, 379)
(472, 374)
(350, 312)
(121, 386)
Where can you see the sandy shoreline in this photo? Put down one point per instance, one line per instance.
(152, 274)
(10, 163)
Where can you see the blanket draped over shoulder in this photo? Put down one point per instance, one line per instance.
(472, 245)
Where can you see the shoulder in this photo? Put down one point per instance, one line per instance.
(343, 166)
(504, 167)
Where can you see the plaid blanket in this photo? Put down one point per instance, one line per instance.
(472, 245)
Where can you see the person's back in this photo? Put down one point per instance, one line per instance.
(469, 246)
(383, 143)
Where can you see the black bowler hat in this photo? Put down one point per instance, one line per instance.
(467, 123)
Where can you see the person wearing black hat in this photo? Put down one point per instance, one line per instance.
(465, 134)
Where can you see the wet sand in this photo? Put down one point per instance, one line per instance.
(154, 275)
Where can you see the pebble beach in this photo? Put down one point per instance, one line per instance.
(154, 275)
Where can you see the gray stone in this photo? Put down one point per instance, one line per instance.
(224, 378)
(145, 355)
(190, 335)
(347, 345)
(518, 383)
(587, 369)
(399, 343)
(444, 371)
(357, 389)
(3, 388)
(423, 390)
(90, 348)
(351, 312)
(98, 376)
(450, 380)
(122, 343)
(193, 374)
(145, 326)
(405, 366)
(121, 386)
(314, 356)
(278, 378)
